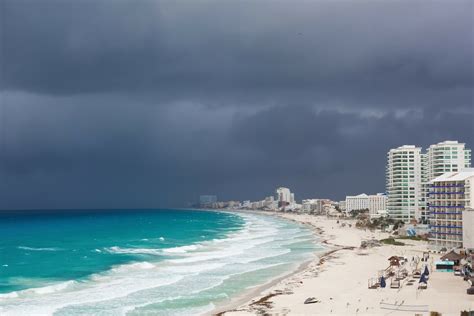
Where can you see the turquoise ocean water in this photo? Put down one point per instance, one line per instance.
(139, 262)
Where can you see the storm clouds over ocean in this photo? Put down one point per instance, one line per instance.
(151, 103)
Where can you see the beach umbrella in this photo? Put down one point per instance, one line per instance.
(382, 282)
(426, 271)
(423, 279)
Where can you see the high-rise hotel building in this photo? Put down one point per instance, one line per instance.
(447, 156)
(403, 182)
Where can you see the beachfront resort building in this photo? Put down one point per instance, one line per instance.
(342, 205)
(403, 182)
(284, 196)
(446, 156)
(357, 202)
(316, 206)
(450, 195)
(377, 205)
(309, 205)
(268, 203)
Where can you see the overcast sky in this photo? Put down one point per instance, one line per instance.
(110, 104)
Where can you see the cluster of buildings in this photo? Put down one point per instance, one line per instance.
(284, 200)
(435, 188)
(210, 201)
(432, 189)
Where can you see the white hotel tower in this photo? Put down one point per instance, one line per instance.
(403, 176)
(447, 156)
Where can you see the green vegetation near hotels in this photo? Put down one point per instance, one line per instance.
(356, 213)
(377, 223)
(391, 241)
(412, 237)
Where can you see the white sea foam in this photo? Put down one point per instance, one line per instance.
(192, 269)
(145, 251)
(39, 290)
(9, 295)
(133, 266)
(200, 267)
(51, 288)
(151, 251)
(182, 249)
(39, 249)
(162, 238)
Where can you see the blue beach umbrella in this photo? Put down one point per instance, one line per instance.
(423, 279)
(382, 282)
(426, 271)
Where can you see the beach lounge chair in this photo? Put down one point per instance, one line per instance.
(373, 283)
(395, 284)
(422, 286)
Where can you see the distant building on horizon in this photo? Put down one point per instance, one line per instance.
(376, 204)
(284, 196)
(207, 200)
(357, 202)
(315, 206)
(342, 205)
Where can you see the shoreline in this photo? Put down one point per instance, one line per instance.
(253, 296)
(338, 278)
(247, 296)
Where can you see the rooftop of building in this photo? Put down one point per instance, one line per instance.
(404, 148)
(448, 142)
(362, 195)
(456, 176)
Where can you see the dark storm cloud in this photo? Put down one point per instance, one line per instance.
(150, 103)
(214, 47)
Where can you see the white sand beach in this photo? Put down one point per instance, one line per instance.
(338, 279)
